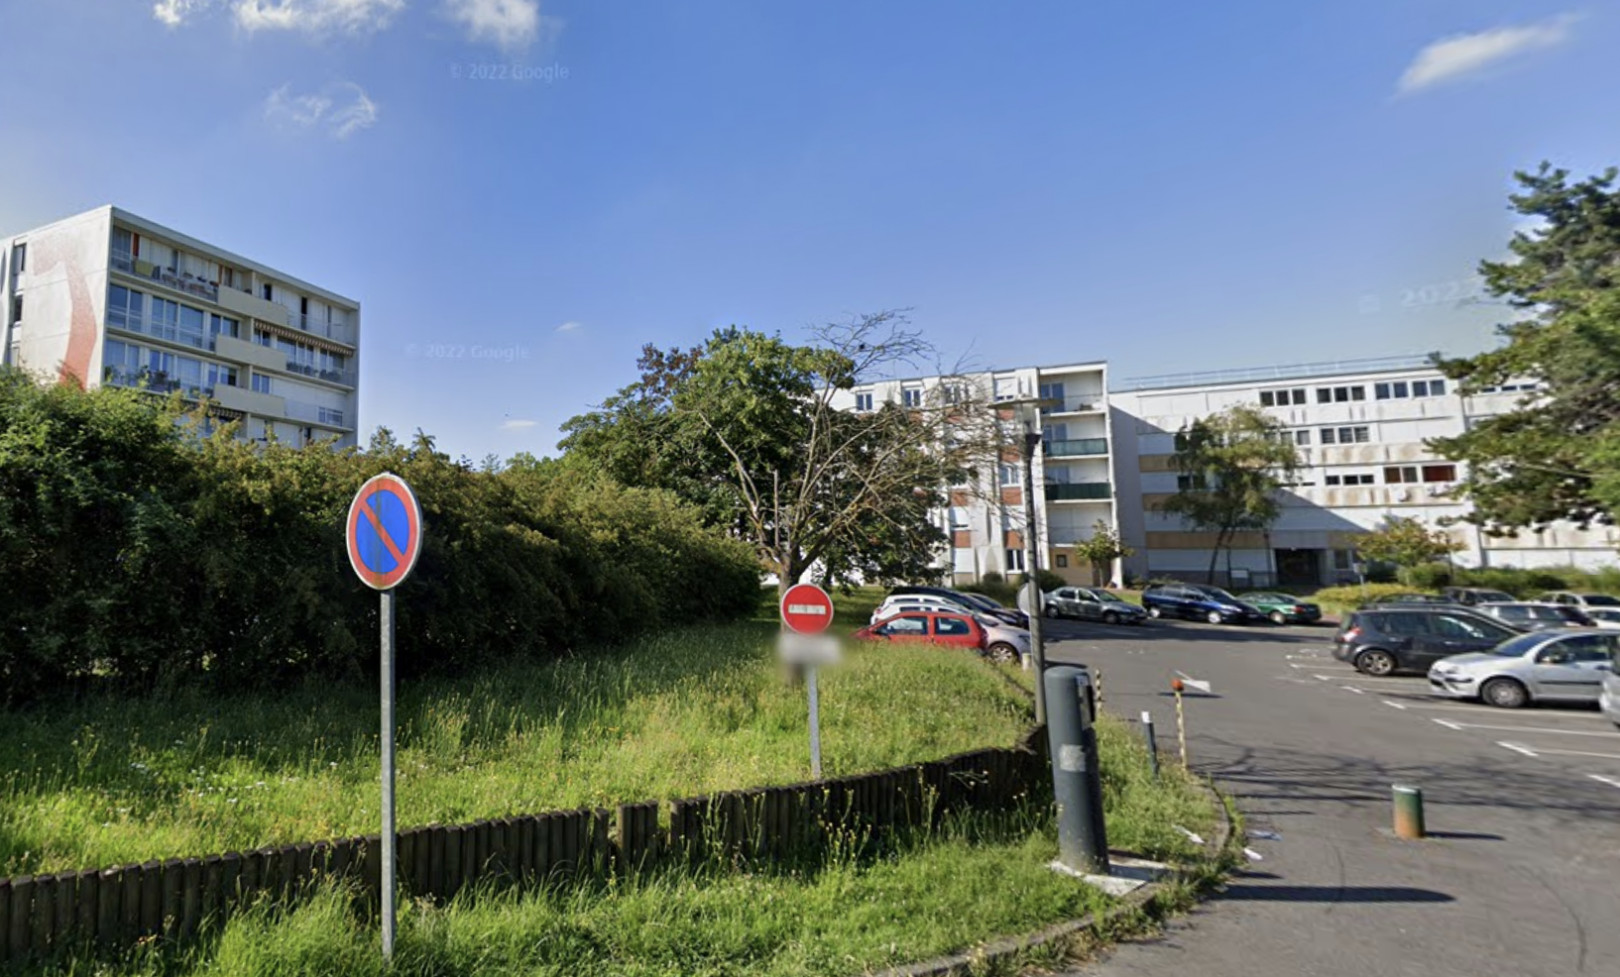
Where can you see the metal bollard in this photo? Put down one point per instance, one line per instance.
(1152, 742)
(1076, 772)
(1409, 813)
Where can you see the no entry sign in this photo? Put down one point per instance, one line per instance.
(384, 531)
(807, 609)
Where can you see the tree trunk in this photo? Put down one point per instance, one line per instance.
(1215, 554)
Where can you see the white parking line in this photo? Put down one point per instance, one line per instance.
(1525, 729)
(1405, 683)
(1540, 751)
(1612, 782)
(1393, 704)
(1352, 688)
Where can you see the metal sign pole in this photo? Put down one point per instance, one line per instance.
(815, 723)
(386, 607)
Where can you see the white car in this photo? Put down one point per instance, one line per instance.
(900, 603)
(1604, 617)
(1002, 641)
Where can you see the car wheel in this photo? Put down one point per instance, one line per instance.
(1213, 617)
(1001, 651)
(1504, 692)
(1109, 617)
(1278, 617)
(1375, 663)
(1052, 611)
(1155, 613)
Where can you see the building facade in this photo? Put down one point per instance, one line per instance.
(1361, 429)
(986, 522)
(109, 298)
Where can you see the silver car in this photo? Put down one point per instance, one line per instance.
(1531, 615)
(1609, 695)
(1555, 665)
(1093, 604)
(1002, 641)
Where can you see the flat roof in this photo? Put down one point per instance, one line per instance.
(1294, 371)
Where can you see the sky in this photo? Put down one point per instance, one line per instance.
(521, 194)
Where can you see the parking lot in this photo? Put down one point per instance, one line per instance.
(1523, 806)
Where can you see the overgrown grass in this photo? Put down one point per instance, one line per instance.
(855, 910)
(113, 781)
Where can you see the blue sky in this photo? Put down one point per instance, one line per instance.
(522, 194)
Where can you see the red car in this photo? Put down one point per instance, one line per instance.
(927, 627)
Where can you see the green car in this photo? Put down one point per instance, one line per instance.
(1283, 608)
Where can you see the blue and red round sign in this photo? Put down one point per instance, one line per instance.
(384, 531)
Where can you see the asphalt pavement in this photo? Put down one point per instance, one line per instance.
(1521, 877)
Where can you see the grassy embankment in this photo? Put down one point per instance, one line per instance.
(99, 783)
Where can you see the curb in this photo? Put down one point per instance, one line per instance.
(1007, 948)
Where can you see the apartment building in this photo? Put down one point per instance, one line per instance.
(985, 522)
(109, 298)
(1360, 427)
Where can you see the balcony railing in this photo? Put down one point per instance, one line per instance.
(344, 377)
(158, 330)
(315, 414)
(153, 381)
(335, 331)
(1061, 492)
(1081, 446)
(181, 282)
(1075, 405)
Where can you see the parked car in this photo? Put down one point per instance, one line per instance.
(1603, 617)
(1093, 604)
(1283, 608)
(898, 603)
(1532, 616)
(1609, 693)
(988, 605)
(1559, 665)
(957, 630)
(1199, 602)
(1476, 595)
(1579, 599)
(1412, 598)
(1383, 641)
(1002, 641)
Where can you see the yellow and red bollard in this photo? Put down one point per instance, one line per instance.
(1409, 813)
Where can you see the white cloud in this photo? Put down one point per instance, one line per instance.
(509, 24)
(173, 13)
(316, 109)
(569, 327)
(317, 16)
(516, 424)
(1454, 57)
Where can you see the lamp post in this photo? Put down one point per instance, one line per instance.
(1029, 415)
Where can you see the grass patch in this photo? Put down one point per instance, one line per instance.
(853, 909)
(111, 781)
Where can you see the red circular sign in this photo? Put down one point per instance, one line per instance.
(384, 531)
(807, 609)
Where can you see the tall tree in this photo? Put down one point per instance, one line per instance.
(1101, 550)
(1557, 455)
(1406, 543)
(746, 426)
(1229, 468)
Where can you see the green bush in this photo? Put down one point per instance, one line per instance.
(1045, 579)
(1353, 596)
(1519, 583)
(994, 586)
(1428, 576)
(143, 555)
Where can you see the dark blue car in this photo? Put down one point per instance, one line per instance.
(1199, 602)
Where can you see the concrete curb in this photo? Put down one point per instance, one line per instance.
(1008, 947)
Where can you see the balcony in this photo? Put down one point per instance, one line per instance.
(1075, 405)
(152, 381)
(344, 377)
(338, 332)
(1078, 492)
(131, 265)
(330, 416)
(170, 332)
(1076, 448)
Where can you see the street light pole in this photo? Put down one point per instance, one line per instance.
(1032, 438)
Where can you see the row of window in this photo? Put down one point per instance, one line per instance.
(1395, 390)
(162, 318)
(128, 365)
(1398, 475)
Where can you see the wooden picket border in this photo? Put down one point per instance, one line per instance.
(176, 899)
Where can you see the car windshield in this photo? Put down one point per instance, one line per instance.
(982, 602)
(1516, 647)
(1600, 600)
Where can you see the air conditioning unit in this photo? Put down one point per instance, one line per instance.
(1401, 495)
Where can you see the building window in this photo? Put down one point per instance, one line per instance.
(329, 415)
(1302, 437)
(16, 310)
(124, 307)
(1345, 435)
(959, 517)
(1009, 474)
(1015, 561)
(19, 259)
(1190, 483)
(863, 401)
(1400, 474)
(1062, 560)
(220, 325)
(1054, 393)
(1439, 473)
(911, 396)
(1429, 388)
(1344, 559)
(267, 292)
(1358, 479)
(953, 393)
(261, 383)
(1340, 395)
(221, 376)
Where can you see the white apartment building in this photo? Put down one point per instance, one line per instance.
(1360, 427)
(106, 297)
(985, 522)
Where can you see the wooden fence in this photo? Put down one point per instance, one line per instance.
(175, 899)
